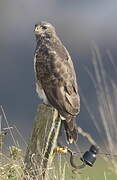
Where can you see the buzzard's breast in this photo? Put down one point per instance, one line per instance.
(39, 88)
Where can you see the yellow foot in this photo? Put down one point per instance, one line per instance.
(62, 150)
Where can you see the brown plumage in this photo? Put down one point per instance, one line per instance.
(55, 77)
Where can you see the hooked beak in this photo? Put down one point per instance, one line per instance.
(37, 29)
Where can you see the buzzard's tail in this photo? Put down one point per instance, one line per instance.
(71, 130)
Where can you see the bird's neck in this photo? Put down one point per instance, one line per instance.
(44, 41)
(44, 37)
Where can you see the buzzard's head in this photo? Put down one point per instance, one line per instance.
(44, 29)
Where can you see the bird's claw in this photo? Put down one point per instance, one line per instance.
(61, 150)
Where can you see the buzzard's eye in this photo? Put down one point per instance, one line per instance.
(44, 27)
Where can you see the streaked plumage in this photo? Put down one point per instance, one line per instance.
(55, 77)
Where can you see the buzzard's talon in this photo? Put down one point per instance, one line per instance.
(61, 150)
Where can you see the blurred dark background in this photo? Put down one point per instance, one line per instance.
(78, 23)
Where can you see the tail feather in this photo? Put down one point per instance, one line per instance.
(71, 130)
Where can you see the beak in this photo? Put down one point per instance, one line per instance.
(38, 30)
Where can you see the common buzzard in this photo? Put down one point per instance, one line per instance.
(55, 77)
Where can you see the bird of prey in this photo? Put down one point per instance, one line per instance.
(55, 77)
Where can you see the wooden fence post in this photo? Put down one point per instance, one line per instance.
(39, 154)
